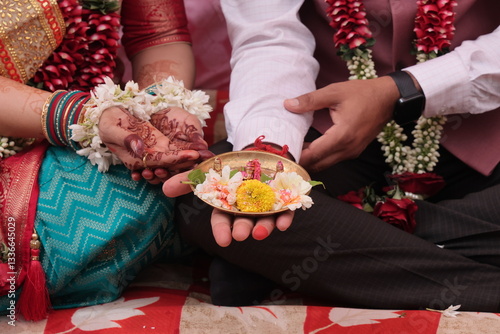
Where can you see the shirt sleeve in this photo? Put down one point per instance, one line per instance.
(466, 80)
(272, 60)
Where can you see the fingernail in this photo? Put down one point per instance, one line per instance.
(292, 102)
(134, 145)
(260, 233)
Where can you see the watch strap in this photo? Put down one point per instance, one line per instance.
(410, 105)
(404, 82)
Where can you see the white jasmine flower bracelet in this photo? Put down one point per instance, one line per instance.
(140, 103)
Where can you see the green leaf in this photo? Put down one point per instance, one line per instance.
(398, 193)
(358, 52)
(367, 207)
(317, 183)
(264, 178)
(196, 176)
(370, 42)
(104, 6)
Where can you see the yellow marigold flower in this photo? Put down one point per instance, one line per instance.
(254, 196)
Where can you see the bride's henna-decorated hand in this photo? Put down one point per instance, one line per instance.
(184, 131)
(140, 145)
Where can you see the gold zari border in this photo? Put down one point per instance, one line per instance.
(30, 30)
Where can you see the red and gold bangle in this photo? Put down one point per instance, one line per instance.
(60, 111)
(44, 115)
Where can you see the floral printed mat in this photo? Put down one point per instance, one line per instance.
(173, 298)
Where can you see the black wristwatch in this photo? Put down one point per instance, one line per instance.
(411, 104)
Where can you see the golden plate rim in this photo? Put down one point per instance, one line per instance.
(247, 156)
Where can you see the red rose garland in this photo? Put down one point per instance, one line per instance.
(412, 166)
(351, 26)
(89, 48)
(434, 26)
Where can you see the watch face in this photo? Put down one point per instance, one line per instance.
(409, 108)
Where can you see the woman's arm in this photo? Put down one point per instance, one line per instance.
(20, 109)
(157, 41)
(156, 63)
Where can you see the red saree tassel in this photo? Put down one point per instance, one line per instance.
(34, 303)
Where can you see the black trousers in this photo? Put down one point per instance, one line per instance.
(349, 258)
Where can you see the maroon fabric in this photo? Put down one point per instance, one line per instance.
(150, 23)
(18, 199)
(473, 139)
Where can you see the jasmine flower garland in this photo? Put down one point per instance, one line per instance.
(10, 146)
(139, 103)
(354, 39)
(413, 163)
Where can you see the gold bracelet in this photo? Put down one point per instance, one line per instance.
(81, 118)
(45, 110)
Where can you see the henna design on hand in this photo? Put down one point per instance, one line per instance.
(142, 130)
(182, 135)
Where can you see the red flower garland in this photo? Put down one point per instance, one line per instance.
(434, 26)
(434, 30)
(349, 21)
(87, 53)
(351, 26)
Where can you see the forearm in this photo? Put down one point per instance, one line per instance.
(272, 60)
(157, 45)
(467, 80)
(156, 63)
(20, 109)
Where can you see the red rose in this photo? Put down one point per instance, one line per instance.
(426, 184)
(397, 212)
(354, 198)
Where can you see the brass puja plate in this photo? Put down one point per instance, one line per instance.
(239, 159)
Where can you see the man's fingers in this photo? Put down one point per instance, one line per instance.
(325, 151)
(315, 100)
(263, 228)
(242, 228)
(221, 228)
(284, 220)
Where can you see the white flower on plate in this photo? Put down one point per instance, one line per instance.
(291, 190)
(220, 189)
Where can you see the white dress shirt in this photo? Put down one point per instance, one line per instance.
(273, 60)
(466, 80)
